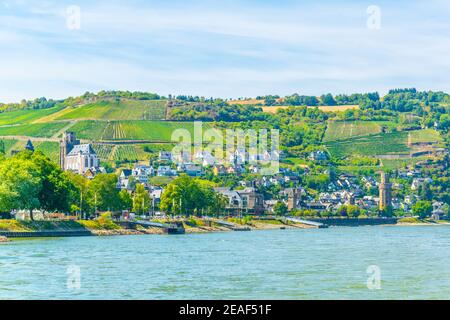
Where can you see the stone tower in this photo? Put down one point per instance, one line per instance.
(294, 196)
(385, 192)
(66, 144)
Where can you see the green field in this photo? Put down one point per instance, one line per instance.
(25, 116)
(45, 130)
(118, 110)
(340, 130)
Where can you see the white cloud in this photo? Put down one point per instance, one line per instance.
(232, 51)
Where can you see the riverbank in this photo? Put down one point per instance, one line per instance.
(107, 227)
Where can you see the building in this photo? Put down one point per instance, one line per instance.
(77, 157)
(165, 156)
(385, 192)
(247, 200)
(142, 173)
(293, 198)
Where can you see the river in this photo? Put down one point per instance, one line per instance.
(413, 262)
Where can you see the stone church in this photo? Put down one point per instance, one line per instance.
(77, 157)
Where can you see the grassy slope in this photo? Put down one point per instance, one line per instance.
(25, 116)
(33, 130)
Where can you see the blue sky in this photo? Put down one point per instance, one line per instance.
(222, 48)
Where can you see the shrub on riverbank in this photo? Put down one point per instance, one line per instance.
(104, 222)
(409, 220)
(18, 225)
(12, 225)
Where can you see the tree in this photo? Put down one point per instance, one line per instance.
(20, 185)
(422, 209)
(280, 208)
(126, 202)
(328, 100)
(57, 190)
(141, 199)
(103, 194)
(187, 196)
(80, 192)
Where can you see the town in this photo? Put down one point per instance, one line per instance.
(356, 158)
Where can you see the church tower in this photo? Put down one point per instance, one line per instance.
(65, 145)
(385, 192)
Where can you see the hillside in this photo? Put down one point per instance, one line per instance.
(133, 126)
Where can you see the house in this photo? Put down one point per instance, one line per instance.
(318, 155)
(191, 169)
(205, 158)
(419, 182)
(92, 172)
(165, 156)
(155, 194)
(182, 157)
(165, 171)
(440, 211)
(247, 200)
(269, 206)
(141, 173)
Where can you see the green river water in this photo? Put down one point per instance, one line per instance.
(413, 262)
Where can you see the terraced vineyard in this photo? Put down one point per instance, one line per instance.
(92, 130)
(373, 145)
(118, 110)
(340, 130)
(103, 151)
(124, 153)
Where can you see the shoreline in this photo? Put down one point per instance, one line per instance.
(254, 225)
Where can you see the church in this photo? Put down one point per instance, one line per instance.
(77, 157)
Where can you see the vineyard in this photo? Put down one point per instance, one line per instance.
(117, 110)
(124, 153)
(103, 151)
(340, 130)
(372, 145)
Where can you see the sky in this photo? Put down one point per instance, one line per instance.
(227, 49)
